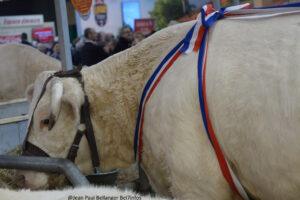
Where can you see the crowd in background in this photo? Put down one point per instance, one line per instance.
(92, 47)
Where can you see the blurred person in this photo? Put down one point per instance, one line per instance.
(110, 43)
(100, 39)
(125, 39)
(137, 37)
(55, 51)
(79, 42)
(24, 39)
(42, 48)
(109, 37)
(109, 47)
(35, 42)
(75, 41)
(75, 52)
(91, 53)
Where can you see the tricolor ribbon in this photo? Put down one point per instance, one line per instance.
(196, 41)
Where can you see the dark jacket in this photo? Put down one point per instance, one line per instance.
(91, 54)
(26, 42)
(122, 44)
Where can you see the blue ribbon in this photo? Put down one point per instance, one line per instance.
(147, 87)
(215, 17)
(187, 40)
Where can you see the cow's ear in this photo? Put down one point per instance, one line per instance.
(29, 92)
(65, 91)
(57, 90)
(74, 96)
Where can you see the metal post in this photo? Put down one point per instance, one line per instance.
(63, 34)
(217, 4)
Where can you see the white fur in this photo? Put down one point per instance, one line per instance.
(85, 193)
(253, 82)
(19, 67)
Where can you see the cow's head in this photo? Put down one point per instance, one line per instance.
(54, 123)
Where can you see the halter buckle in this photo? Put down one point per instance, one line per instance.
(97, 170)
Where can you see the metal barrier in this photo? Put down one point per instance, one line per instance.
(43, 164)
(13, 123)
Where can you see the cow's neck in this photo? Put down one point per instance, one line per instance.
(114, 87)
(114, 96)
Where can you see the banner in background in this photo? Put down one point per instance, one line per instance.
(21, 20)
(4, 39)
(83, 7)
(43, 34)
(145, 26)
(100, 11)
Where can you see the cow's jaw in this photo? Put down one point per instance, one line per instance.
(35, 180)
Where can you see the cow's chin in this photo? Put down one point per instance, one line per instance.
(35, 180)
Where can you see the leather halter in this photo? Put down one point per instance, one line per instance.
(85, 127)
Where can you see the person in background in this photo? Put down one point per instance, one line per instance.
(55, 51)
(137, 37)
(90, 52)
(125, 39)
(75, 52)
(42, 48)
(109, 37)
(24, 39)
(109, 43)
(109, 47)
(34, 42)
(100, 38)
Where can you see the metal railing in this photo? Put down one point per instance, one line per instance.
(44, 164)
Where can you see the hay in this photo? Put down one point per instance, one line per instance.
(8, 177)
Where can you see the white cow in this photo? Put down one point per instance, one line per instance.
(19, 67)
(84, 193)
(253, 91)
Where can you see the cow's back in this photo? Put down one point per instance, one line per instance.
(19, 66)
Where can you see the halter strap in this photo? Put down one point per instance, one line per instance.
(85, 127)
(33, 150)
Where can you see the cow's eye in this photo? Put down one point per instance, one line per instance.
(45, 121)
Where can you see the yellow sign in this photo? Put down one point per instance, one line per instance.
(100, 11)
